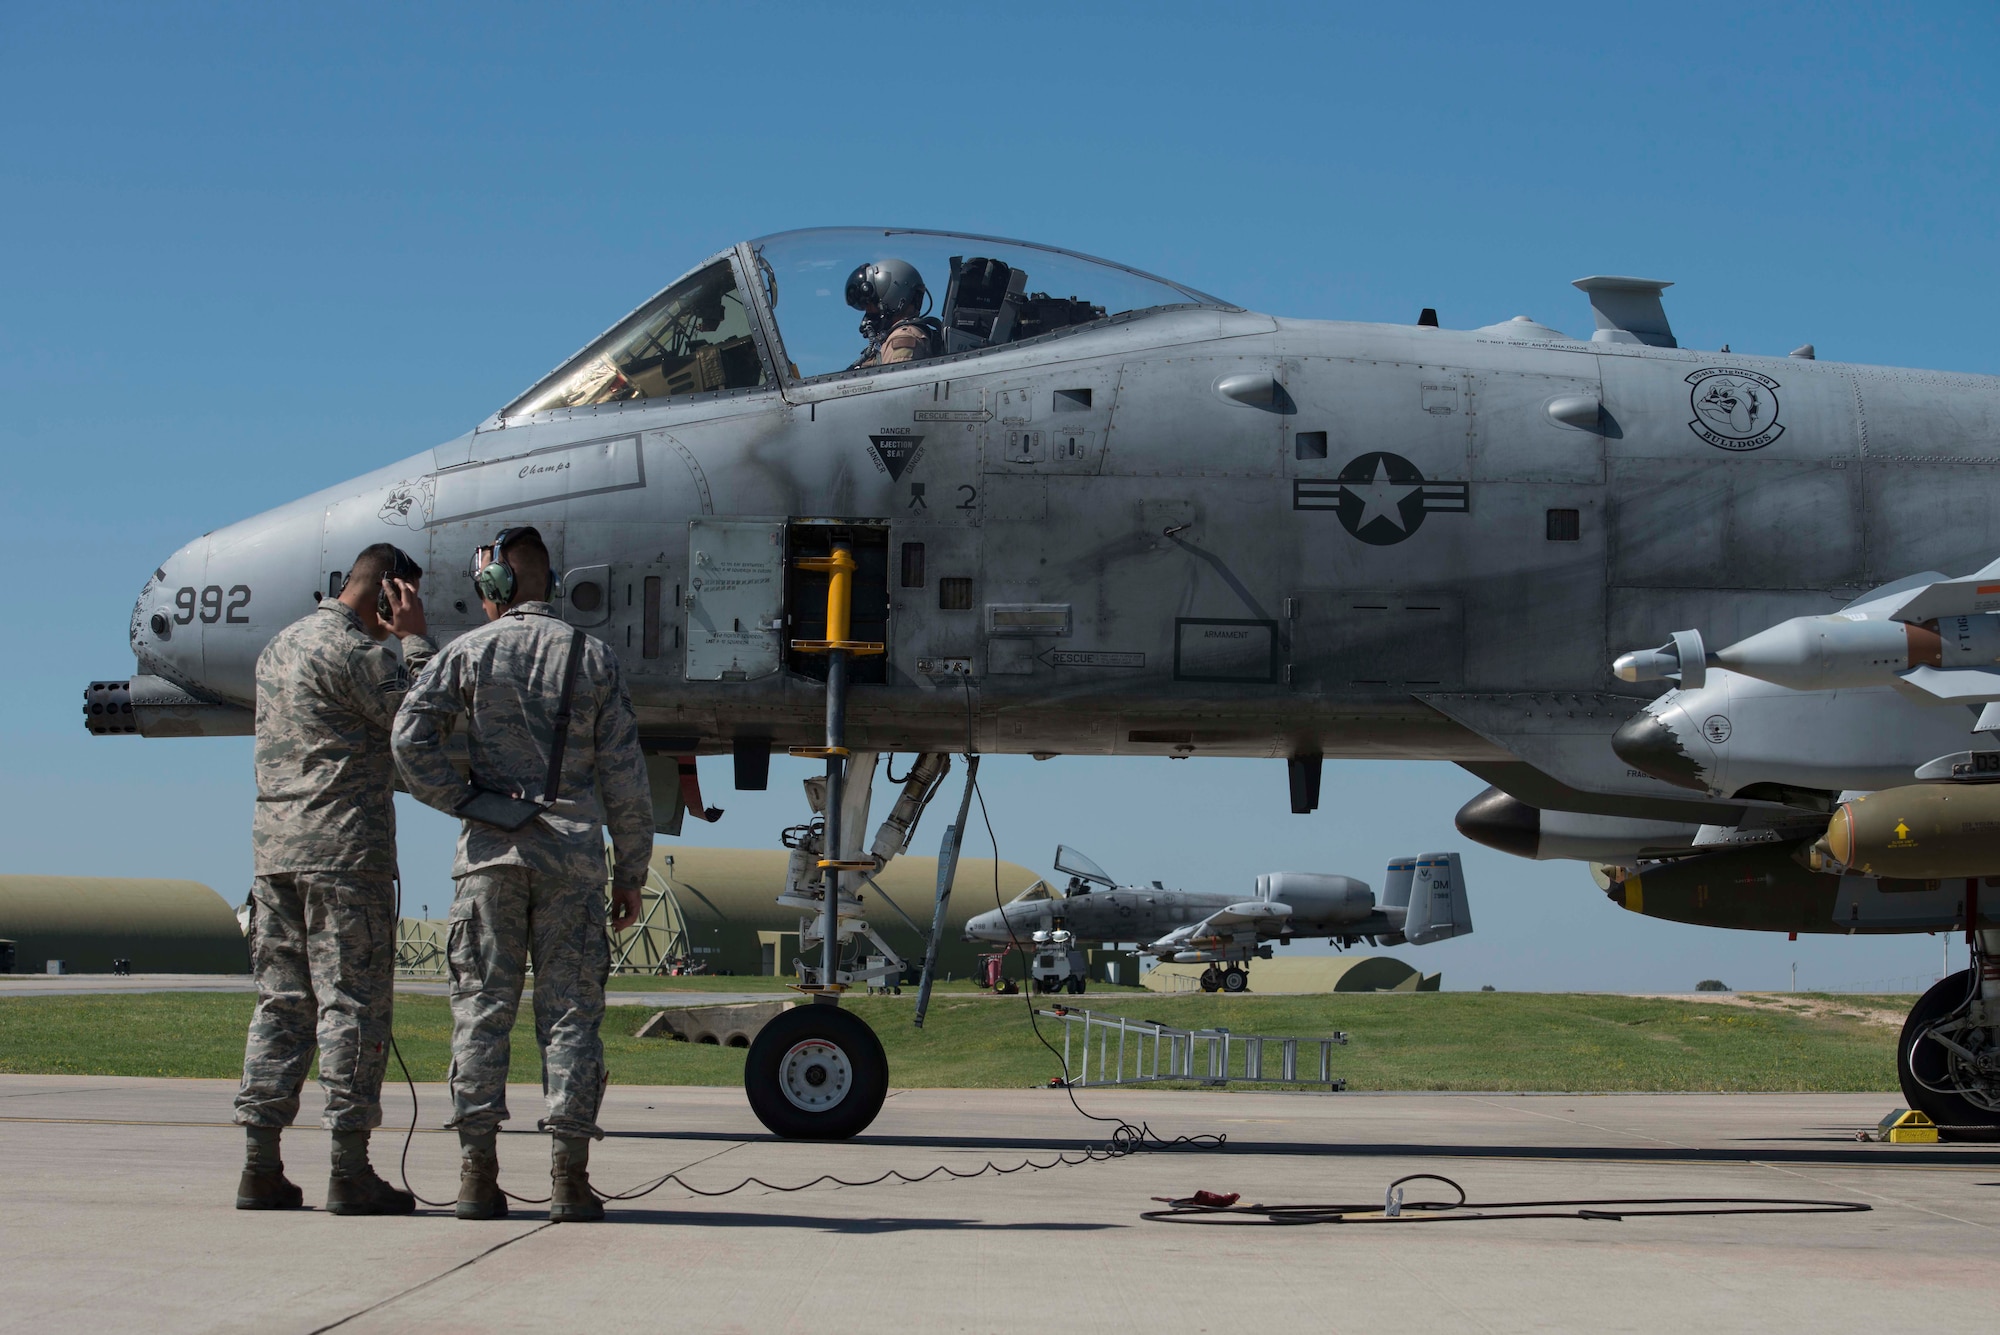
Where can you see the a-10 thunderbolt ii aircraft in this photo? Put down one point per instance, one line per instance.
(1100, 512)
(1423, 900)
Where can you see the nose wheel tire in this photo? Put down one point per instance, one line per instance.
(1923, 1068)
(1235, 980)
(816, 1072)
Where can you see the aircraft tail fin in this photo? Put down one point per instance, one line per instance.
(1396, 883)
(1438, 908)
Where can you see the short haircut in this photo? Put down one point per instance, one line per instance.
(379, 560)
(527, 554)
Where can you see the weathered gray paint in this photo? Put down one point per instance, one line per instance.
(1164, 514)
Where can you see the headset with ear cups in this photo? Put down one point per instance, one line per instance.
(403, 568)
(496, 580)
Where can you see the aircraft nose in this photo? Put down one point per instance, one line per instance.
(166, 625)
(212, 606)
(1656, 744)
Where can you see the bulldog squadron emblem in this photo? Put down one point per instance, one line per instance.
(1733, 409)
(409, 503)
(1380, 498)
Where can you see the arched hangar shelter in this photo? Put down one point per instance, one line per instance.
(88, 921)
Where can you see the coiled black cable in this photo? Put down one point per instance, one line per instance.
(1208, 1208)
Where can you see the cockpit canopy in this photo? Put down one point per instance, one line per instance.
(719, 329)
(1034, 894)
(1076, 864)
(983, 292)
(692, 338)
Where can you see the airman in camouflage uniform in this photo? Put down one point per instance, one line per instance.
(322, 906)
(537, 890)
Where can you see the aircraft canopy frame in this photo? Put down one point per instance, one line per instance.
(1076, 864)
(717, 330)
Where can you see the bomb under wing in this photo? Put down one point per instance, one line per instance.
(1925, 830)
(1769, 889)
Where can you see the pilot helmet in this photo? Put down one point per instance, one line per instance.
(889, 285)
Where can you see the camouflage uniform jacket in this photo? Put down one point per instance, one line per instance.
(504, 681)
(907, 341)
(327, 692)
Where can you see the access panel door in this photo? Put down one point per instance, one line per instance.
(735, 599)
(623, 584)
(1371, 641)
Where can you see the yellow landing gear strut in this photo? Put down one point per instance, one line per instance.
(818, 1072)
(839, 648)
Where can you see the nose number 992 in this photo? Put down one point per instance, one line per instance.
(209, 604)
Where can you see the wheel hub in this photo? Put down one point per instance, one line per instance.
(1971, 1058)
(815, 1075)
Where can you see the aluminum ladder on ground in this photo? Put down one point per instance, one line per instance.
(1147, 1053)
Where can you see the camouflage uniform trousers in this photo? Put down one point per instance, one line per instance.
(323, 950)
(501, 914)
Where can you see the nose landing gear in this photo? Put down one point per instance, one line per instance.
(816, 1072)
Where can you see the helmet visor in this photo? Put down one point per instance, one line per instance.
(861, 289)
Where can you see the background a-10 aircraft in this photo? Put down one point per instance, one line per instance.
(1111, 514)
(1423, 900)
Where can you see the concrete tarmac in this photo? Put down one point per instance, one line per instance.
(119, 1217)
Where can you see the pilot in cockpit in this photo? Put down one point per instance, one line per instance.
(890, 296)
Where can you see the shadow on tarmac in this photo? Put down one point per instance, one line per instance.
(1854, 1154)
(617, 1214)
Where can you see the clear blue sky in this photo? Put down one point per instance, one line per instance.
(256, 249)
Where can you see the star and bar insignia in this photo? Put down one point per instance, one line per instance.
(1381, 498)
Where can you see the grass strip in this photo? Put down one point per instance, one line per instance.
(1495, 1041)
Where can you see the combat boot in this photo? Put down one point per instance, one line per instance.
(366, 1193)
(354, 1187)
(264, 1185)
(571, 1201)
(479, 1194)
(267, 1189)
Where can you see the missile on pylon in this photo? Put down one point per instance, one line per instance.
(1817, 653)
(1829, 652)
